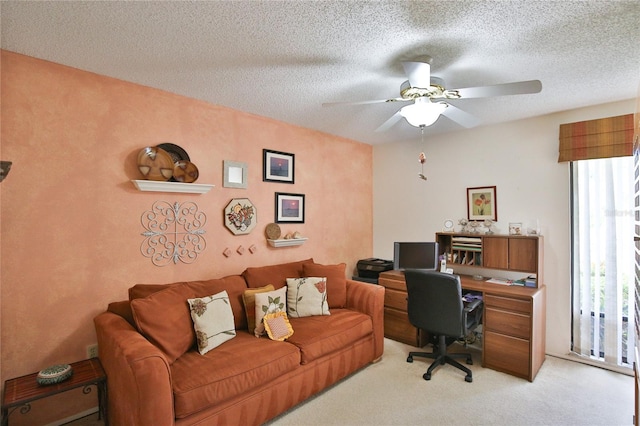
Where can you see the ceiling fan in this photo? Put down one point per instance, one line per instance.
(428, 97)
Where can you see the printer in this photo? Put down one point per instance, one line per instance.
(369, 269)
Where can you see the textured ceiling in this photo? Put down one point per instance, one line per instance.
(283, 59)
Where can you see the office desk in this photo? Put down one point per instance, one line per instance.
(514, 322)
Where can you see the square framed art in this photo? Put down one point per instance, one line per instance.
(289, 208)
(481, 203)
(278, 166)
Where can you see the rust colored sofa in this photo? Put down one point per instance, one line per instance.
(246, 380)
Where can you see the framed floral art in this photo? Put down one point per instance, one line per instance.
(481, 203)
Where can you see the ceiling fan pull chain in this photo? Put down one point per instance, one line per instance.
(421, 157)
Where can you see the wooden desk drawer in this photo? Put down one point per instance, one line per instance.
(394, 284)
(511, 323)
(505, 353)
(395, 299)
(398, 327)
(520, 305)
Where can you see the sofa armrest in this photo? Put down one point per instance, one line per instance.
(369, 299)
(138, 374)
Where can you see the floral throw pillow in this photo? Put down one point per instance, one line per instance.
(212, 320)
(307, 297)
(269, 302)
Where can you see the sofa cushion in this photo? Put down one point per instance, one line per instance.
(317, 336)
(336, 281)
(164, 319)
(122, 308)
(249, 301)
(163, 316)
(307, 296)
(273, 274)
(268, 303)
(140, 291)
(212, 320)
(240, 365)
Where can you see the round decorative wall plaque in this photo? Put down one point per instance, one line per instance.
(273, 231)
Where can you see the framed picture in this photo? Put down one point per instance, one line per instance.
(277, 166)
(289, 208)
(515, 228)
(481, 203)
(235, 174)
(240, 216)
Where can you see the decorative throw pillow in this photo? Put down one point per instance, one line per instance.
(307, 297)
(212, 320)
(163, 318)
(249, 300)
(269, 303)
(336, 281)
(278, 326)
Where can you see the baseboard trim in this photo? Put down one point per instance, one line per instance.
(571, 356)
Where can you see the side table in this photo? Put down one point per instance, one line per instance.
(21, 391)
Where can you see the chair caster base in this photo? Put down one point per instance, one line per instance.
(410, 359)
(426, 376)
(468, 379)
(469, 361)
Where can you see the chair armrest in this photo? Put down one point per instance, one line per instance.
(138, 374)
(369, 299)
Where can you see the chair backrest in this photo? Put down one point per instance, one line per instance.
(434, 302)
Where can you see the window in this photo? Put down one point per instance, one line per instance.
(603, 259)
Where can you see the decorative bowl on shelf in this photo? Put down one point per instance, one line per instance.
(155, 164)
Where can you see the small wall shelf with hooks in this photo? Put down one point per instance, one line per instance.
(159, 186)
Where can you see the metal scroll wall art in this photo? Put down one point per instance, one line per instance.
(173, 233)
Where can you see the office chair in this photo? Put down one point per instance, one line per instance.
(434, 304)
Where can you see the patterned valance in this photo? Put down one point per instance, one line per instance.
(603, 138)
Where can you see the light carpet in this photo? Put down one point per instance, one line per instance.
(393, 392)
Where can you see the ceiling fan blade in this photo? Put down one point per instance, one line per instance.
(459, 116)
(378, 101)
(390, 122)
(518, 88)
(419, 74)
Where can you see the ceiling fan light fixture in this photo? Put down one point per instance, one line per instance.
(423, 112)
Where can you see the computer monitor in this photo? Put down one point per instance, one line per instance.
(415, 255)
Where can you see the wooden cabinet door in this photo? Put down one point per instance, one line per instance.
(495, 252)
(523, 254)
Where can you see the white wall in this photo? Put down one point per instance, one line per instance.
(521, 159)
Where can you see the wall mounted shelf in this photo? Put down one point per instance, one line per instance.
(287, 243)
(158, 186)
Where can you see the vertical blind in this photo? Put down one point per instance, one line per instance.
(602, 244)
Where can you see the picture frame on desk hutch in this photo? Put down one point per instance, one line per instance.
(481, 203)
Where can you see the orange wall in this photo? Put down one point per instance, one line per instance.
(70, 216)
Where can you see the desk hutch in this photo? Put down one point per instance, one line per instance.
(514, 318)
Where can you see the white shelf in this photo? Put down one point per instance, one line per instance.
(159, 186)
(287, 243)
